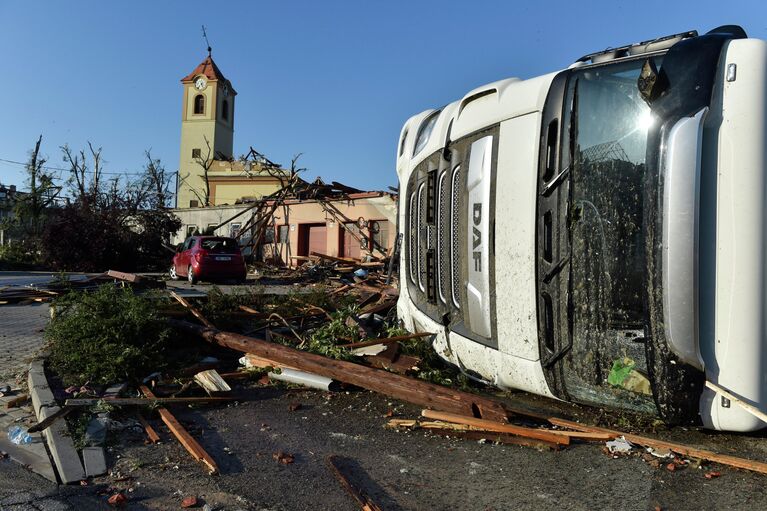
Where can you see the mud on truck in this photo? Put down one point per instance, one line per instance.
(598, 234)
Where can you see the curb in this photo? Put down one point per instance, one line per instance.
(60, 444)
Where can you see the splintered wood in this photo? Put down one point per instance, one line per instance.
(197, 314)
(363, 500)
(183, 436)
(212, 382)
(684, 450)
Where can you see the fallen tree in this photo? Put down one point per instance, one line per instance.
(399, 387)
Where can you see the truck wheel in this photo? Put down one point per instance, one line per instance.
(190, 276)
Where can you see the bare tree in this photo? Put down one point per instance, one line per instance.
(30, 208)
(84, 184)
(157, 181)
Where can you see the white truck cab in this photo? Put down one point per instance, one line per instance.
(599, 234)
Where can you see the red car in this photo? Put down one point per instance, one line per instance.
(208, 258)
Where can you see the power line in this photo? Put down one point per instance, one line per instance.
(46, 167)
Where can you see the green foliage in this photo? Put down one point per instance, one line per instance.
(19, 255)
(324, 340)
(106, 336)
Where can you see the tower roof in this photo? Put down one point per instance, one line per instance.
(209, 70)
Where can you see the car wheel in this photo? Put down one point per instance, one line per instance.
(173, 274)
(190, 276)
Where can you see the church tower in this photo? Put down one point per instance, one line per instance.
(207, 129)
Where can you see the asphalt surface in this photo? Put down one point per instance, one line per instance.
(399, 470)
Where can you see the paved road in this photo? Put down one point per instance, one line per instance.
(20, 338)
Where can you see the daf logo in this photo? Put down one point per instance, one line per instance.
(476, 218)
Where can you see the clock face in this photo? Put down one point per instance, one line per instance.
(200, 83)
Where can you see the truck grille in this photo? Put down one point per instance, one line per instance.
(441, 228)
(412, 245)
(455, 267)
(420, 231)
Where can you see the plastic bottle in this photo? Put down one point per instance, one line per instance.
(19, 435)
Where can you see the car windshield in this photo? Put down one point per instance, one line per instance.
(220, 245)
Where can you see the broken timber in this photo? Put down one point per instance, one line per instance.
(399, 387)
(724, 459)
(197, 314)
(183, 436)
(128, 277)
(151, 433)
(496, 427)
(386, 340)
(365, 503)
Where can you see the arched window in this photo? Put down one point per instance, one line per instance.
(199, 104)
(225, 110)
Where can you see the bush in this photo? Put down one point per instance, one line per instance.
(106, 336)
(82, 239)
(19, 255)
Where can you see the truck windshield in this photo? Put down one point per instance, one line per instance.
(609, 123)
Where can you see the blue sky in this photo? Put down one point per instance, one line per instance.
(332, 80)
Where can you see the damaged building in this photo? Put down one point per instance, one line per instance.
(276, 216)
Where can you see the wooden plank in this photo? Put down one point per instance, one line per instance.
(365, 503)
(334, 258)
(194, 311)
(183, 436)
(412, 390)
(151, 433)
(16, 401)
(261, 362)
(128, 277)
(684, 450)
(46, 423)
(415, 424)
(386, 340)
(746, 406)
(140, 401)
(498, 438)
(497, 427)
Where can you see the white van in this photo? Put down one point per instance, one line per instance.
(598, 234)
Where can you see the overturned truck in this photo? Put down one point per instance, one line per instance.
(598, 234)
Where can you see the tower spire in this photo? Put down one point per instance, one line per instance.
(205, 36)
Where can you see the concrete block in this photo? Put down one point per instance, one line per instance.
(39, 390)
(95, 462)
(64, 454)
(59, 441)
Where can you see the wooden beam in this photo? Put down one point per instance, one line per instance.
(45, 423)
(183, 436)
(151, 433)
(16, 401)
(498, 438)
(128, 277)
(497, 427)
(194, 311)
(684, 450)
(746, 406)
(407, 389)
(386, 340)
(140, 401)
(334, 258)
(365, 503)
